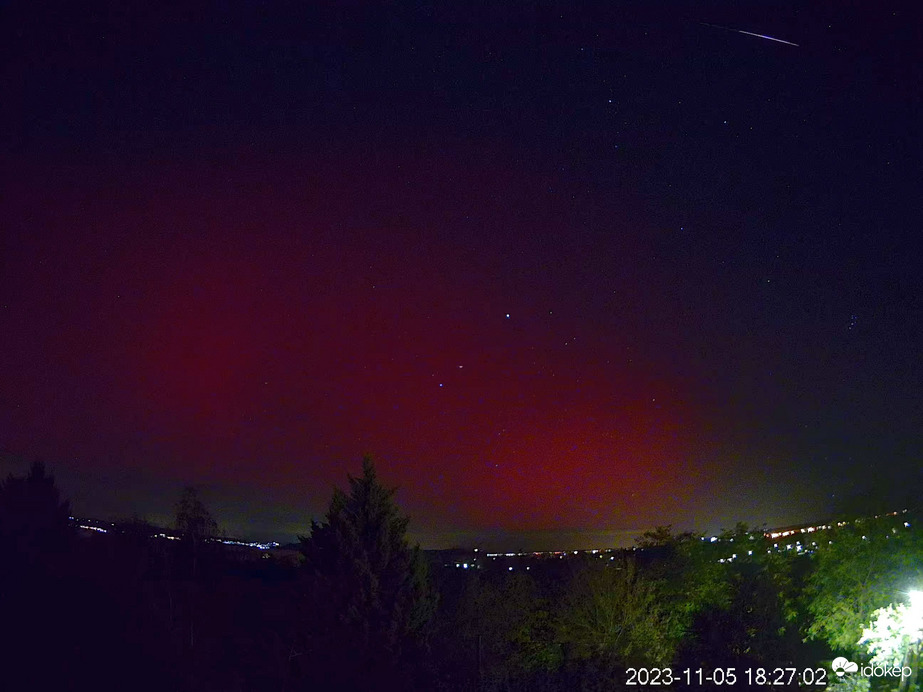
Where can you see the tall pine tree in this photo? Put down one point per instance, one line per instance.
(372, 600)
(34, 520)
(38, 599)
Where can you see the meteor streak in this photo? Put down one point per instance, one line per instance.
(750, 33)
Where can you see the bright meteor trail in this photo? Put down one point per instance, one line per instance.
(750, 33)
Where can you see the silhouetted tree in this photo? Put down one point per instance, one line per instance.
(195, 525)
(37, 596)
(370, 589)
(33, 518)
(193, 520)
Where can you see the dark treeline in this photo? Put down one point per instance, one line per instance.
(361, 609)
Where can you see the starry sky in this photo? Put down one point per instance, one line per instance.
(567, 270)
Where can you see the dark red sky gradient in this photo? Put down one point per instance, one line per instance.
(225, 323)
(549, 283)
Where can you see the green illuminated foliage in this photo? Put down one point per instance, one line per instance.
(894, 629)
(866, 567)
(614, 613)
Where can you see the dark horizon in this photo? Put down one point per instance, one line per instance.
(559, 267)
(268, 527)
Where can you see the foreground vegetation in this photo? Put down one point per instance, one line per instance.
(361, 609)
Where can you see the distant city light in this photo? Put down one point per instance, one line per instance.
(251, 544)
(92, 528)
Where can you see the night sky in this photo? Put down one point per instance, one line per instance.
(559, 267)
